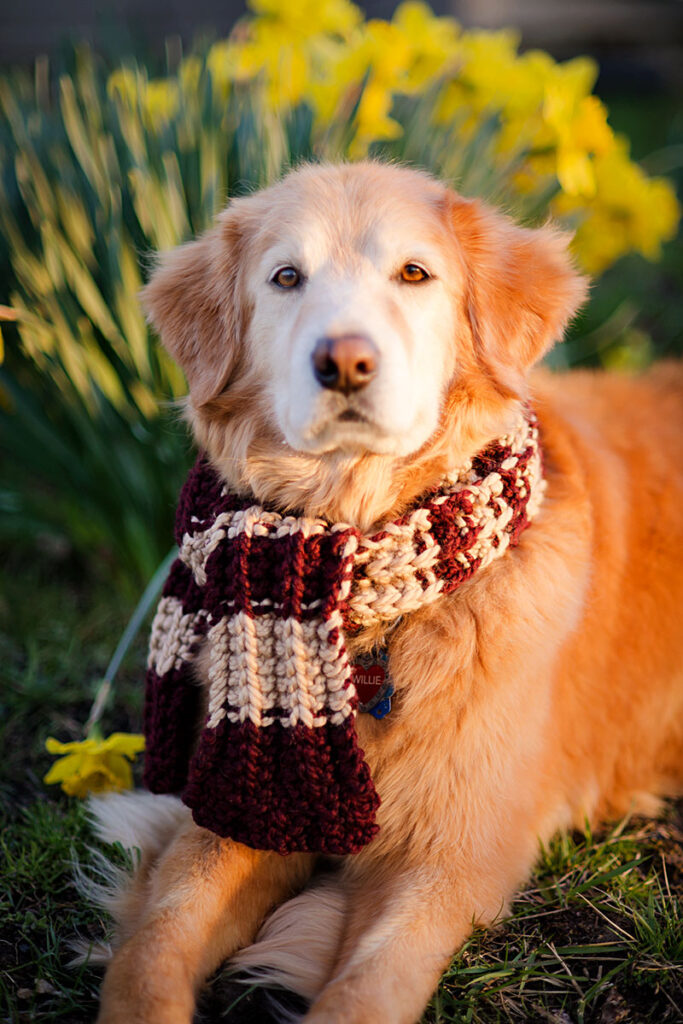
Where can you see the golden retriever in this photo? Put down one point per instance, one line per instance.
(546, 690)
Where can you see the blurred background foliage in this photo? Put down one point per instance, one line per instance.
(103, 162)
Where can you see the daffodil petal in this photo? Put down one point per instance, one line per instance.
(63, 768)
(575, 173)
(126, 743)
(54, 746)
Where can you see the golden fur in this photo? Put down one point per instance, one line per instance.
(546, 690)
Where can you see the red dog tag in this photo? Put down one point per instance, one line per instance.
(368, 680)
(373, 683)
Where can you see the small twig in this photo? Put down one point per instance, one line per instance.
(604, 916)
(676, 1006)
(565, 967)
(666, 876)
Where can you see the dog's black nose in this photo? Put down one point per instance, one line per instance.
(346, 363)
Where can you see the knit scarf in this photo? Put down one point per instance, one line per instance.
(276, 764)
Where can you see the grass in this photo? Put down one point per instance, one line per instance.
(596, 938)
(40, 910)
(57, 631)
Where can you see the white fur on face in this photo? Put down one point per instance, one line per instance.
(352, 285)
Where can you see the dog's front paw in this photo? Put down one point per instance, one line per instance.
(138, 989)
(147, 1011)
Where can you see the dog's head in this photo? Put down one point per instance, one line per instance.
(352, 323)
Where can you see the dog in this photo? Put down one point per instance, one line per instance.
(349, 335)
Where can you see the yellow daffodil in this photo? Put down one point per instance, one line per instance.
(276, 57)
(589, 127)
(488, 59)
(387, 58)
(282, 45)
(309, 17)
(94, 765)
(159, 101)
(221, 63)
(189, 73)
(433, 42)
(124, 85)
(629, 211)
(577, 127)
(538, 128)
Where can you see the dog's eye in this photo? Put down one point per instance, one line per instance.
(286, 277)
(413, 273)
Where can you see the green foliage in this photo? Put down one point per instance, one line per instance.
(89, 477)
(37, 848)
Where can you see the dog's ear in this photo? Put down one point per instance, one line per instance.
(521, 288)
(193, 303)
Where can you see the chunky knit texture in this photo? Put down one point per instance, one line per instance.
(276, 764)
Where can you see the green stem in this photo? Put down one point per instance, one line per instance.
(149, 596)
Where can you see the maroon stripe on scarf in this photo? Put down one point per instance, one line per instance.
(297, 790)
(199, 497)
(181, 585)
(265, 575)
(170, 716)
(172, 708)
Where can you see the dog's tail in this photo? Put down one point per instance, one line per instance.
(296, 946)
(287, 965)
(140, 826)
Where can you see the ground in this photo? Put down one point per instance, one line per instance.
(597, 937)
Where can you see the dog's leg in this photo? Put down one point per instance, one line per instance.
(207, 898)
(400, 936)
(392, 957)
